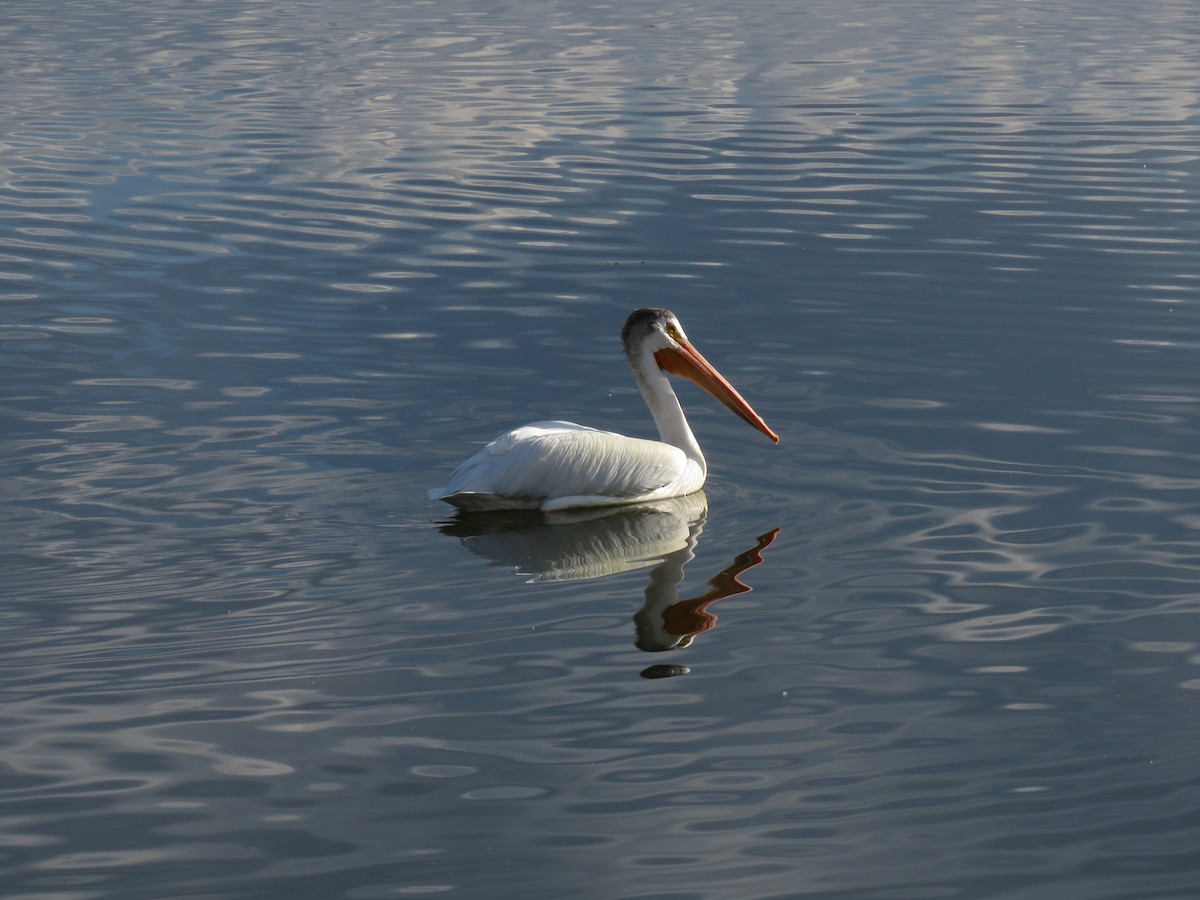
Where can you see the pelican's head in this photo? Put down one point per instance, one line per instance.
(657, 334)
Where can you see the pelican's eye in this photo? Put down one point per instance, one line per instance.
(672, 331)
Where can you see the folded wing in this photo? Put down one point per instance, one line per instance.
(528, 466)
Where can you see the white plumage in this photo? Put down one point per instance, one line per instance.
(557, 465)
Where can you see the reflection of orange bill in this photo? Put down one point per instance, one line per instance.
(689, 617)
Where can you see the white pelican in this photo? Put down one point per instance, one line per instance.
(558, 465)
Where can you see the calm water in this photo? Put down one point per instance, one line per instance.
(268, 271)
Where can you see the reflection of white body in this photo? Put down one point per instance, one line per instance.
(579, 544)
(557, 465)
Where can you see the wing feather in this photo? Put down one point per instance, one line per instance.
(562, 460)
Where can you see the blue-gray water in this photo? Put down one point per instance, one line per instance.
(268, 271)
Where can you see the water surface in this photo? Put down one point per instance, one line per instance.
(268, 272)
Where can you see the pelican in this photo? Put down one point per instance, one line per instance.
(559, 465)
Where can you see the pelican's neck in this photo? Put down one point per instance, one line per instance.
(664, 406)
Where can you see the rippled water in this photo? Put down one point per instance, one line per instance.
(268, 271)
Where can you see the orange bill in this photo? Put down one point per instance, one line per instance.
(687, 361)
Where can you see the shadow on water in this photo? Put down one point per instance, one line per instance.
(575, 545)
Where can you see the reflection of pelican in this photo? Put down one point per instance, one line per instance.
(593, 543)
(558, 465)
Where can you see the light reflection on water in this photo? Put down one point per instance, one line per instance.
(266, 273)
